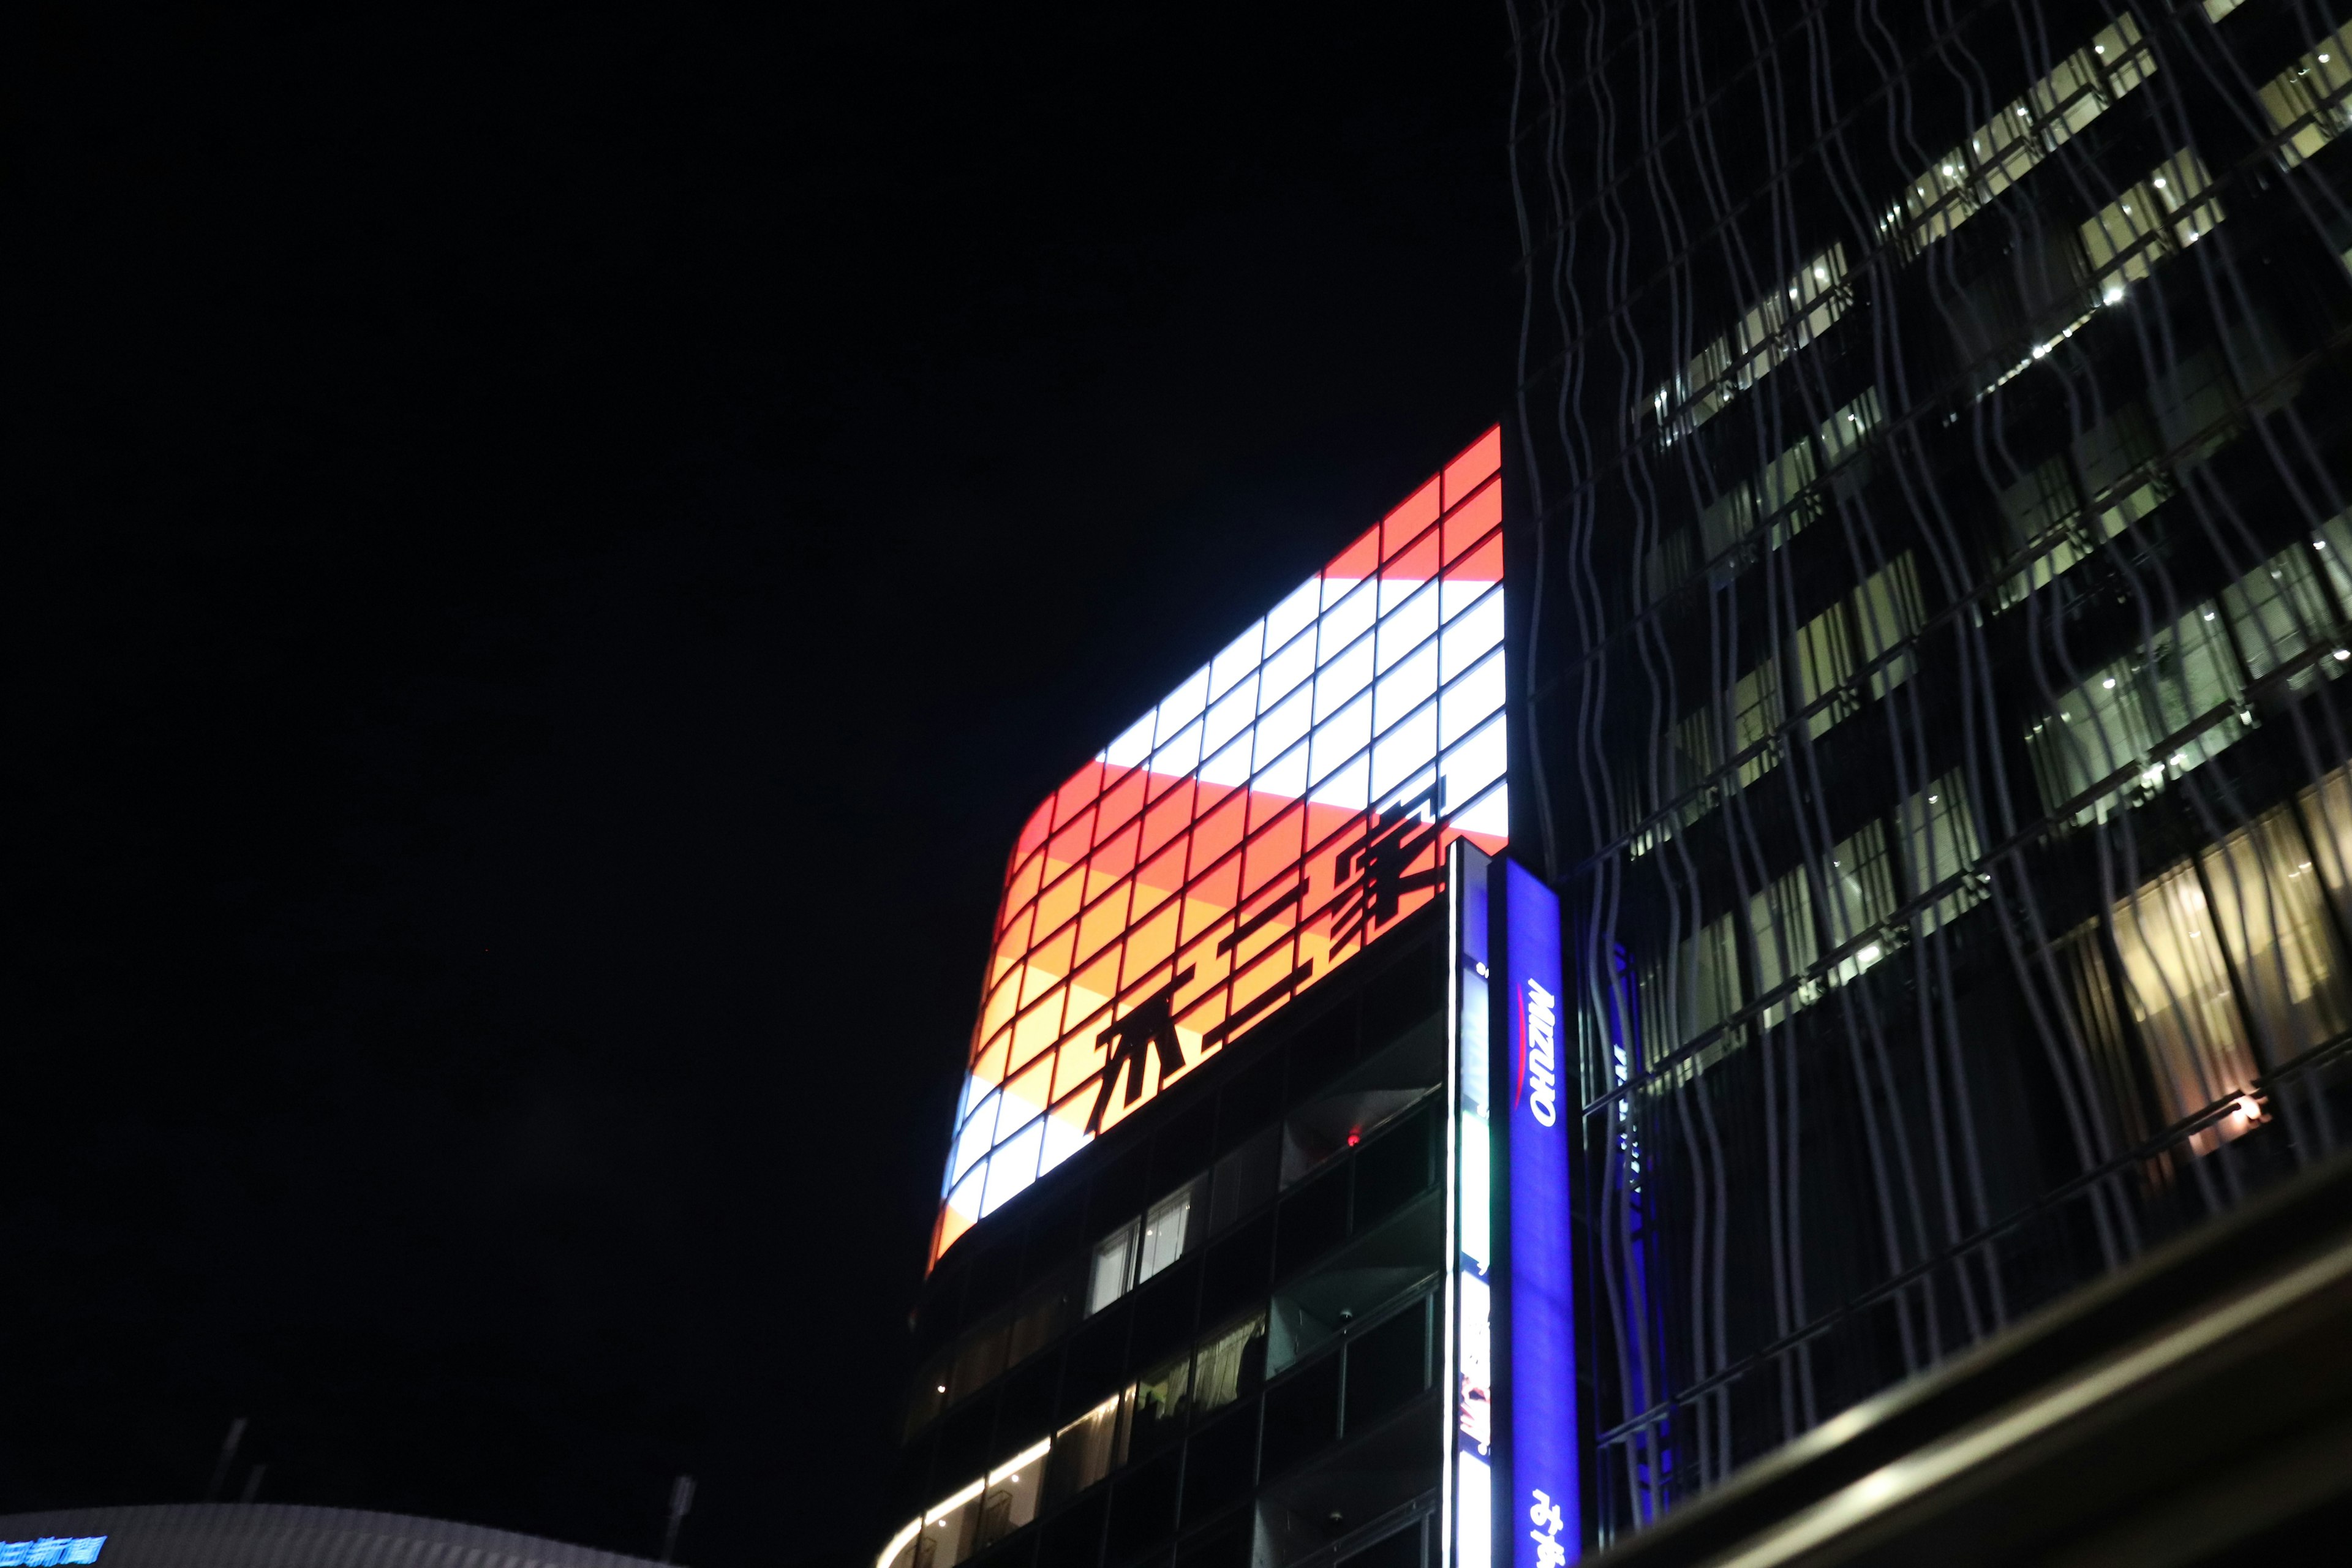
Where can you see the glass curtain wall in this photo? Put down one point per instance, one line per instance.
(1935, 461)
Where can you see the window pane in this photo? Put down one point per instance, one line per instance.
(1163, 1232)
(1160, 1399)
(2180, 994)
(2267, 906)
(1113, 1267)
(1084, 1452)
(1011, 1499)
(1231, 1365)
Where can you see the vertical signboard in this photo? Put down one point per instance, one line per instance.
(1468, 1512)
(1545, 1505)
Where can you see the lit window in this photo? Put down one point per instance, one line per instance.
(2307, 101)
(1163, 1232)
(2166, 212)
(1114, 1268)
(1010, 1500)
(1998, 153)
(1771, 331)
(1157, 1405)
(1230, 1365)
(1084, 1452)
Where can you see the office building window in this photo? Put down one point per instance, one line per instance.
(1861, 896)
(1767, 335)
(2264, 896)
(2279, 610)
(1113, 1267)
(1165, 1230)
(1883, 612)
(1998, 153)
(2306, 102)
(1693, 988)
(1781, 923)
(2177, 987)
(1939, 841)
(2126, 715)
(2168, 211)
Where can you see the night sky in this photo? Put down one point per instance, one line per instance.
(548, 555)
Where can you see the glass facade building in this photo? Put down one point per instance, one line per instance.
(1934, 425)
(1497, 1054)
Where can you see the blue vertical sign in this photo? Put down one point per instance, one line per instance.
(1546, 1518)
(1469, 1509)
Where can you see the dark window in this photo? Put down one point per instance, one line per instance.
(1163, 1312)
(1396, 1168)
(1184, 1145)
(1404, 994)
(966, 1441)
(1042, 1316)
(1302, 1414)
(1245, 1178)
(1236, 1270)
(1117, 1194)
(1227, 1546)
(1312, 1220)
(1143, 1507)
(1325, 1048)
(1221, 1465)
(910, 1483)
(1387, 1366)
(935, 1320)
(1074, 1539)
(995, 1274)
(1251, 1101)
(1014, 1554)
(979, 1359)
(1057, 1234)
(1027, 1403)
(1095, 1362)
(931, 1393)
(1402, 1550)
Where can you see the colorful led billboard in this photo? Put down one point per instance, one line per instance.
(1249, 834)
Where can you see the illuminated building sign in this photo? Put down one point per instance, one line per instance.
(1249, 834)
(1546, 1518)
(1469, 1487)
(51, 1549)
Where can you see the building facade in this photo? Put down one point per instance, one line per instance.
(1484, 1073)
(1190, 1291)
(1935, 424)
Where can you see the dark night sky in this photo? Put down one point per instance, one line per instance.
(548, 553)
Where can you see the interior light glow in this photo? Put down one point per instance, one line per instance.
(1008, 1471)
(961, 1496)
(900, 1543)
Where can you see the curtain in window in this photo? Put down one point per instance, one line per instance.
(1228, 1363)
(2267, 906)
(2178, 991)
